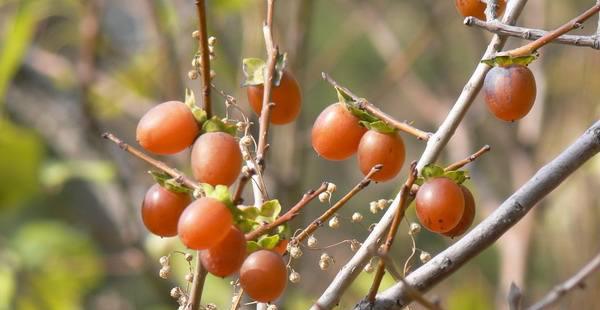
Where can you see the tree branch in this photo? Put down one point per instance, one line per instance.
(205, 59)
(365, 105)
(576, 281)
(491, 10)
(179, 177)
(435, 144)
(461, 163)
(497, 27)
(495, 225)
(197, 284)
(288, 216)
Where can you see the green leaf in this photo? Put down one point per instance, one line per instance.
(270, 209)
(250, 212)
(343, 96)
(503, 61)
(268, 242)
(252, 246)
(165, 180)
(432, 171)
(379, 126)
(419, 181)
(254, 71)
(246, 225)
(190, 102)
(219, 192)
(458, 176)
(215, 124)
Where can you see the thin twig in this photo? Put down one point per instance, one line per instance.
(340, 203)
(267, 105)
(385, 247)
(576, 281)
(364, 104)
(205, 59)
(461, 163)
(289, 215)
(238, 299)
(244, 178)
(177, 175)
(197, 285)
(552, 35)
(491, 10)
(531, 34)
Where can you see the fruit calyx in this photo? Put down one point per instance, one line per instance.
(507, 60)
(366, 119)
(432, 171)
(255, 70)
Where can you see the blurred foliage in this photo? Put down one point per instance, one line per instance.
(69, 203)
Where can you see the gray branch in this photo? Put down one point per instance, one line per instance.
(577, 281)
(494, 226)
(531, 34)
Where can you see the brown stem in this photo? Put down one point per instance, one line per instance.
(331, 211)
(288, 216)
(204, 54)
(461, 163)
(197, 285)
(237, 300)
(246, 176)
(365, 105)
(575, 23)
(179, 177)
(399, 215)
(267, 105)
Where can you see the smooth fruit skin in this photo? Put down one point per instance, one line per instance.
(263, 275)
(216, 159)
(286, 96)
(509, 91)
(476, 8)
(468, 215)
(225, 258)
(204, 223)
(440, 204)
(381, 148)
(336, 133)
(167, 128)
(161, 210)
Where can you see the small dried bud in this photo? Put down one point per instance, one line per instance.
(211, 307)
(414, 229)
(164, 260)
(241, 126)
(211, 49)
(357, 217)
(246, 140)
(295, 251)
(175, 292)
(354, 245)
(189, 277)
(334, 222)
(196, 34)
(369, 267)
(192, 74)
(324, 264)
(212, 41)
(246, 155)
(424, 257)
(196, 62)
(312, 242)
(324, 197)
(246, 170)
(373, 207)
(272, 307)
(381, 204)
(331, 188)
(189, 257)
(164, 272)
(294, 277)
(213, 74)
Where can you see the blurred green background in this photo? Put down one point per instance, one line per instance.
(70, 230)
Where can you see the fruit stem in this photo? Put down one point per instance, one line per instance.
(365, 105)
(289, 215)
(178, 176)
(461, 163)
(340, 203)
(531, 47)
(204, 54)
(197, 285)
(267, 105)
(246, 176)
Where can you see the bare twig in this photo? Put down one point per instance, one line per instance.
(385, 247)
(576, 281)
(435, 145)
(491, 10)
(237, 300)
(179, 177)
(503, 218)
(197, 285)
(205, 59)
(552, 35)
(461, 163)
(289, 215)
(340, 203)
(267, 105)
(497, 27)
(369, 107)
(246, 176)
